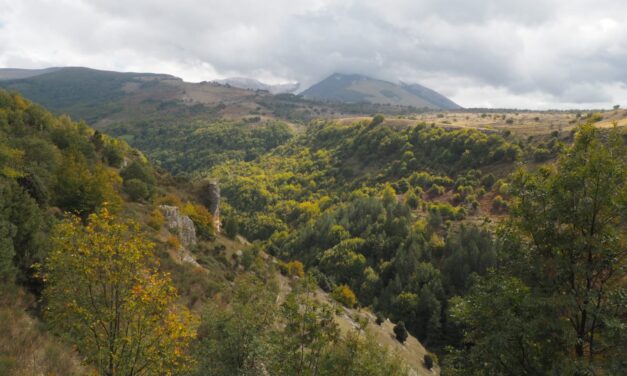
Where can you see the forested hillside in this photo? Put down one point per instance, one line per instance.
(489, 265)
(109, 265)
(421, 223)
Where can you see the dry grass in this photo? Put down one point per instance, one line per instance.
(522, 124)
(25, 348)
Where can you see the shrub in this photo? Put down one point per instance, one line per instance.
(169, 199)
(400, 332)
(436, 190)
(231, 227)
(541, 154)
(173, 242)
(156, 219)
(113, 155)
(138, 170)
(376, 120)
(203, 220)
(499, 204)
(487, 181)
(136, 189)
(428, 361)
(345, 295)
(295, 269)
(380, 319)
(412, 200)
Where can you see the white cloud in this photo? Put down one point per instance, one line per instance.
(534, 53)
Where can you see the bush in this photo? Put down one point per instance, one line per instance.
(345, 295)
(170, 200)
(400, 332)
(136, 189)
(203, 220)
(541, 154)
(499, 204)
(295, 269)
(376, 120)
(380, 319)
(156, 219)
(487, 181)
(173, 242)
(412, 200)
(113, 155)
(428, 361)
(138, 170)
(231, 227)
(436, 190)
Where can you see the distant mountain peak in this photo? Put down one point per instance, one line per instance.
(253, 84)
(355, 88)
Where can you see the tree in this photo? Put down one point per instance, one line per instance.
(7, 269)
(555, 299)
(81, 188)
(572, 222)
(235, 331)
(136, 189)
(104, 292)
(139, 170)
(309, 331)
(507, 333)
(21, 229)
(361, 355)
(231, 227)
(400, 332)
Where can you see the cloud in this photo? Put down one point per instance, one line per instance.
(534, 53)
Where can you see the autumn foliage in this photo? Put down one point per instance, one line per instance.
(104, 292)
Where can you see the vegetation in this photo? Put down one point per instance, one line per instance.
(554, 304)
(519, 274)
(119, 310)
(400, 332)
(197, 144)
(251, 335)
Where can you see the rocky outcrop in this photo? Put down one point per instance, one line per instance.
(213, 195)
(182, 226)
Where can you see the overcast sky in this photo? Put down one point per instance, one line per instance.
(480, 53)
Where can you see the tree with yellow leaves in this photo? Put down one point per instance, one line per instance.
(104, 293)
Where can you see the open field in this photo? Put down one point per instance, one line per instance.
(519, 123)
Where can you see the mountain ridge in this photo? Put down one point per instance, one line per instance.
(356, 88)
(253, 84)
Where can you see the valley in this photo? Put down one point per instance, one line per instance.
(341, 222)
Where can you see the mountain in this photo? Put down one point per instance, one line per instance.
(252, 84)
(95, 95)
(355, 88)
(102, 97)
(17, 73)
(81, 92)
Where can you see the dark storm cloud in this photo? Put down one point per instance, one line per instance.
(534, 53)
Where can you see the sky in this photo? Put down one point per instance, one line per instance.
(535, 54)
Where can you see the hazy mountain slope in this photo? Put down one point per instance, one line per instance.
(17, 73)
(105, 97)
(353, 88)
(252, 84)
(82, 92)
(431, 95)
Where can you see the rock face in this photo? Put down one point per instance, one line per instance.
(182, 226)
(214, 202)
